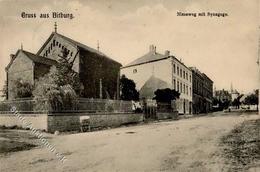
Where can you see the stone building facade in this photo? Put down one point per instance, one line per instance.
(98, 73)
(202, 92)
(25, 67)
(167, 69)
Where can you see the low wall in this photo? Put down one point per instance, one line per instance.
(71, 121)
(167, 115)
(39, 121)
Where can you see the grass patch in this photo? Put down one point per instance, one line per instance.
(241, 147)
(7, 146)
(15, 140)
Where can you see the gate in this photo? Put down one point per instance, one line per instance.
(149, 109)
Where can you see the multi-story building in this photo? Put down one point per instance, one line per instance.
(202, 92)
(163, 71)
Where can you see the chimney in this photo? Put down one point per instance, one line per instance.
(167, 53)
(11, 56)
(152, 49)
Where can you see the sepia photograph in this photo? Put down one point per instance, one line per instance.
(129, 86)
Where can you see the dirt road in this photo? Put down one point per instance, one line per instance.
(184, 145)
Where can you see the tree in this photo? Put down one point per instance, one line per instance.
(4, 90)
(252, 99)
(128, 90)
(60, 87)
(65, 75)
(22, 89)
(236, 102)
(166, 95)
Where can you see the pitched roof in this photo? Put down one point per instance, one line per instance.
(78, 44)
(149, 57)
(39, 59)
(34, 58)
(151, 85)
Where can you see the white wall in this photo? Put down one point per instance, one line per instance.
(56, 50)
(163, 69)
(160, 69)
(187, 82)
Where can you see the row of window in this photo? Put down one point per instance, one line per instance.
(56, 43)
(181, 87)
(181, 72)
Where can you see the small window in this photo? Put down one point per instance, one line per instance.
(174, 68)
(62, 47)
(71, 54)
(181, 72)
(135, 71)
(54, 43)
(59, 45)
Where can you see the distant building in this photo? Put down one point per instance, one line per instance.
(156, 71)
(223, 95)
(98, 73)
(202, 92)
(234, 93)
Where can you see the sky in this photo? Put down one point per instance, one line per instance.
(224, 48)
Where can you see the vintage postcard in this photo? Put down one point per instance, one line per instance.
(129, 86)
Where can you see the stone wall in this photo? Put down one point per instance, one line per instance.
(21, 68)
(39, 121)
(71, 122)
(167, 115)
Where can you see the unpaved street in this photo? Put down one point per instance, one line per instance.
(183, 145)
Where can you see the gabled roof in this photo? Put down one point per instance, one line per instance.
(34, 58)
(40, 59)
(76, 43)
(149, 57)
(151, 85)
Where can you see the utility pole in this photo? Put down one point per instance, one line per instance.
(100, 89)
(258, 80)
